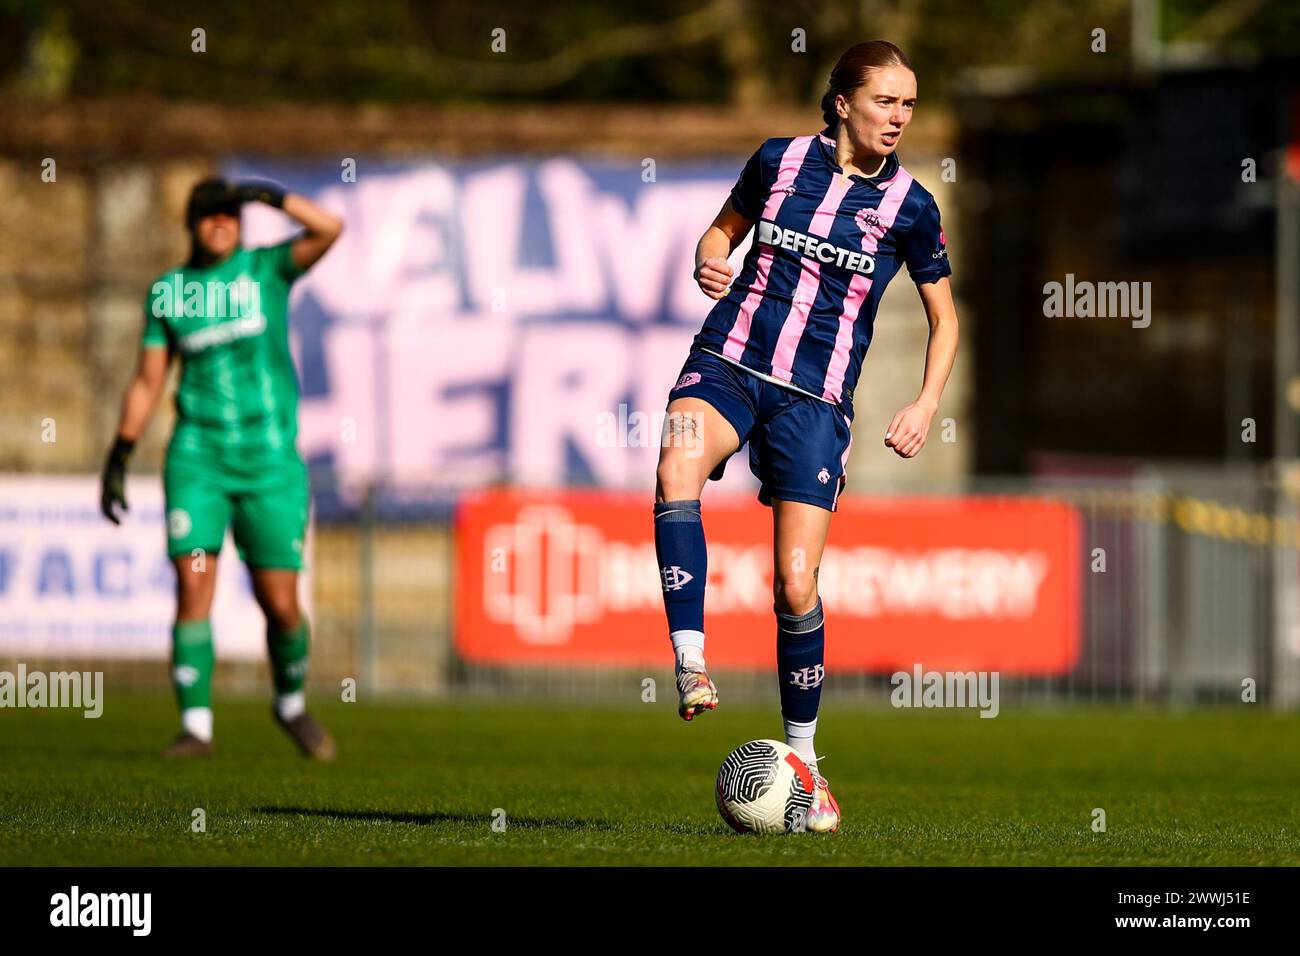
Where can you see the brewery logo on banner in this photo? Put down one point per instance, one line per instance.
(573, 577)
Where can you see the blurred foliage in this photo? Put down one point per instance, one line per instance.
(731, 51)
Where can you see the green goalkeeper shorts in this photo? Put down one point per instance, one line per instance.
(262, 493)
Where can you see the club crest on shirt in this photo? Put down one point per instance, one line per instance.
(869, 221)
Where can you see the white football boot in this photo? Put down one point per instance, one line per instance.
(696, 692)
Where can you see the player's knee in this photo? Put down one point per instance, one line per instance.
(677, 479)
(795, 593)
(283, 619)
(193, 597)
(282, 612)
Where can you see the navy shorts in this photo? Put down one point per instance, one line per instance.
(798, 445)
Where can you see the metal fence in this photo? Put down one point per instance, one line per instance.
(1188, 596)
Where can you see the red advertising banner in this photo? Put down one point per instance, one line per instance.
(953, 584)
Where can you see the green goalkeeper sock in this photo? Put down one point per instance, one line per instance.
(192, 663)
(288, 658)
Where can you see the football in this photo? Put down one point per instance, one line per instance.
(764, 787)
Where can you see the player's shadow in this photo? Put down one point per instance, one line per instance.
(428, 819)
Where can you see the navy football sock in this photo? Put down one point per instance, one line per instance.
(683, 567)
(800, 662)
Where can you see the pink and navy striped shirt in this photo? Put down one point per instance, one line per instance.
(802, 308)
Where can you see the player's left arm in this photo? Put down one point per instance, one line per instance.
(906, 432)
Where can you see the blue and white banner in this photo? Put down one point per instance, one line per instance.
(74, 585)
(481, 323)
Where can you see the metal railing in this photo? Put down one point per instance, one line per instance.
(1188, 596)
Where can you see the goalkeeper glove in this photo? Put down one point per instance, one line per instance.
(259, 190)
(112, 489)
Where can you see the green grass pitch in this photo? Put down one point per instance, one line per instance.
(632, 784)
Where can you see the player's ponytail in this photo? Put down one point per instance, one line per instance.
(829, 115)
(851, 71)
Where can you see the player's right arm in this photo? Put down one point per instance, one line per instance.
(138, 404)
(712, 270)
(731, 226)
(143, 391)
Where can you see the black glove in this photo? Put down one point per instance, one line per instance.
(259, 190)
(112, 489)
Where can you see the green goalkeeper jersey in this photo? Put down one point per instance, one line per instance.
(229, 323)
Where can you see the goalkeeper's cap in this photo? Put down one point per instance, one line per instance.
(210, 196)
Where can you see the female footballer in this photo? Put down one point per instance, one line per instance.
(232, 458)
(779, 355)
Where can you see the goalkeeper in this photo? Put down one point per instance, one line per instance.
(232, 458)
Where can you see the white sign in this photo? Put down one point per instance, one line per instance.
(72, 584)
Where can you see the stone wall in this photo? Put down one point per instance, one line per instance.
(76, 257)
